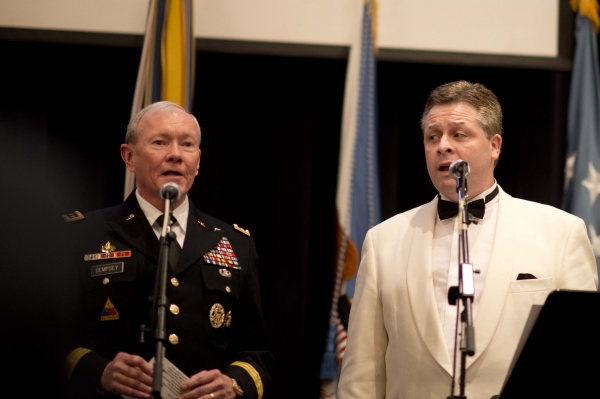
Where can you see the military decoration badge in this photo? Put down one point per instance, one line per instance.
(224, 272)
(108, 251)
(217, 316)
(222, 255)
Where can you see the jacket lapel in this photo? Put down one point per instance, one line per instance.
(135, 229)
(420, 285)
(497, 280)
(198, 240)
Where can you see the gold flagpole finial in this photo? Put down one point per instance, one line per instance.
(373, 8)
(588, 8)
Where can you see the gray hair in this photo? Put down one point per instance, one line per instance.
(159, 107)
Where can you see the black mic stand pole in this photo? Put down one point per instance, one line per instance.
(160, 300)
(466, 289)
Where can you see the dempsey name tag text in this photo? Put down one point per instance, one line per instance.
(107, 268)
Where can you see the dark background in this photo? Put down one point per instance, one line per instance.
(270, 142)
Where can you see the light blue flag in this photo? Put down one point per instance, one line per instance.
(365, 208)
(357, 200)
(582, 179)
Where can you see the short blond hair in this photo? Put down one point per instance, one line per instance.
(489, 111)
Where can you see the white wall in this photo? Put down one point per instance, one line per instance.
(498, 27)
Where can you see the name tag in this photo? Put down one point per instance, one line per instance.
(108, 268)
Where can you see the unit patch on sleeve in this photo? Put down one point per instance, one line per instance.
(109, 312)
(222, 255)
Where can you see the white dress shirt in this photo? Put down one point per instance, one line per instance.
(180, 213)
(445, 261)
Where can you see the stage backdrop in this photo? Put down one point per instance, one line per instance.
(508, 32)
(270, 144)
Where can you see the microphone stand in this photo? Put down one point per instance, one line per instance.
(160, 300)
(465, 290)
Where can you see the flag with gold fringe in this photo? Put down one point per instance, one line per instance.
(167, 64)
(357, 198)
(582, 176)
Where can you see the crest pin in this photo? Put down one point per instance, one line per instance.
(224, 272)
(108, 248)
(217, 315)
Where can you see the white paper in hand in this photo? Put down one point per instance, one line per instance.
(171, 382)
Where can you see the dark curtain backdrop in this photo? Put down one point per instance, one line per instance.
(271, 129)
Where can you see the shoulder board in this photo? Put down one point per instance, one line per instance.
(244, 231)
(71, 217)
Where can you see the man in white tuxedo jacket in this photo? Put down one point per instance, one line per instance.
(401, 329)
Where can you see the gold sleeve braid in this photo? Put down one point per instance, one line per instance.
(73, 358)
(254, 374)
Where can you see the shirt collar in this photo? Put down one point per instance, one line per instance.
(482, 195)
(181, 212)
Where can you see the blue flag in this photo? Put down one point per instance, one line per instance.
(167, 64)
(357, 198)
(582, 176)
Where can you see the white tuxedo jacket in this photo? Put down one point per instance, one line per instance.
(396, 347)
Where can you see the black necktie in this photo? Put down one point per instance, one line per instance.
(175, 248)
(448, 209)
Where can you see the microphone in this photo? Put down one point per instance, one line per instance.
(458, 169)
(170, 191)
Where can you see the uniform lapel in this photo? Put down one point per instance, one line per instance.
(130, 223)
(198, 240)
(497, 280)
(420, 285)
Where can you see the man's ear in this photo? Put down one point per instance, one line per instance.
(496, 142)
(127, 156)
(198, 166)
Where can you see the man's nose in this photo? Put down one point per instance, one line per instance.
(445, 145)
(174, 153)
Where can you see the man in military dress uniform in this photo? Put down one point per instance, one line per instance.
(216, 333)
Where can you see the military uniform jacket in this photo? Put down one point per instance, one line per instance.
(214, 317)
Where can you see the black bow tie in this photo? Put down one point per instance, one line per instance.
(449, 209)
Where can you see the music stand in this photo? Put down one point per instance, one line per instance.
(561, 355)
